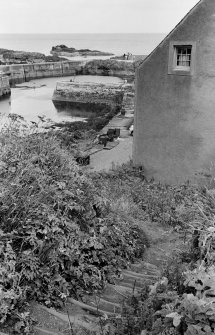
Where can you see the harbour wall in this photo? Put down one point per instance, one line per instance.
(21, 73)
(4, 86)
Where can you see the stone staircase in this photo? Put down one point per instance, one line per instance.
(126, 117)
(83, 317)
(128, 104)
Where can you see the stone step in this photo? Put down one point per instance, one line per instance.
(92, 309)
(151, 272)
(144, 278)
(48, 320)
(150, 266)
(116, 293)
(128, 108)
(141, 267)
(103, 304)
(128, 103)
(129, 111)
(60, 321)
(134, 284)
(44, 331)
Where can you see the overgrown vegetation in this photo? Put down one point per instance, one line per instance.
(64, 233)
(183, 301)
(58, 236)
(180, 303)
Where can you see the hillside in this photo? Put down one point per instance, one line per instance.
(66, 233)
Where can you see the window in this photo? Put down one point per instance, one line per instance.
(181, 58)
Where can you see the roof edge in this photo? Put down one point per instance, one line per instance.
(168, 35)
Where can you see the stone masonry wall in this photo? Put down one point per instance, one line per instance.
(4, 86)
(94, 94)
(21, 73)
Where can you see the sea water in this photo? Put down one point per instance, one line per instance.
(137, 44)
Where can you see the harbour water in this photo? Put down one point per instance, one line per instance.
(33, 102)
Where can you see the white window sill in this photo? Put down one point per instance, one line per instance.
(182, 68)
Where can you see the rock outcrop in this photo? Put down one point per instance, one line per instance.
(23, 57)
(63, 50)
(110, 67)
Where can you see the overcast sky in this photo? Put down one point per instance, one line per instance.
(91, 16)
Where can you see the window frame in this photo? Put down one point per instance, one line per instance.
(172, 65)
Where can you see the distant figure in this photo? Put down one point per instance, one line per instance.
(125, 81)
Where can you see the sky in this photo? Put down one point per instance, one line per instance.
(92, 16)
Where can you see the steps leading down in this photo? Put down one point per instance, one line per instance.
(83, 317)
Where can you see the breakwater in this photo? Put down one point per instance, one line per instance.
(18, 74)
(4, 86)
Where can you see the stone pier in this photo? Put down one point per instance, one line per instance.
(90, 94)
